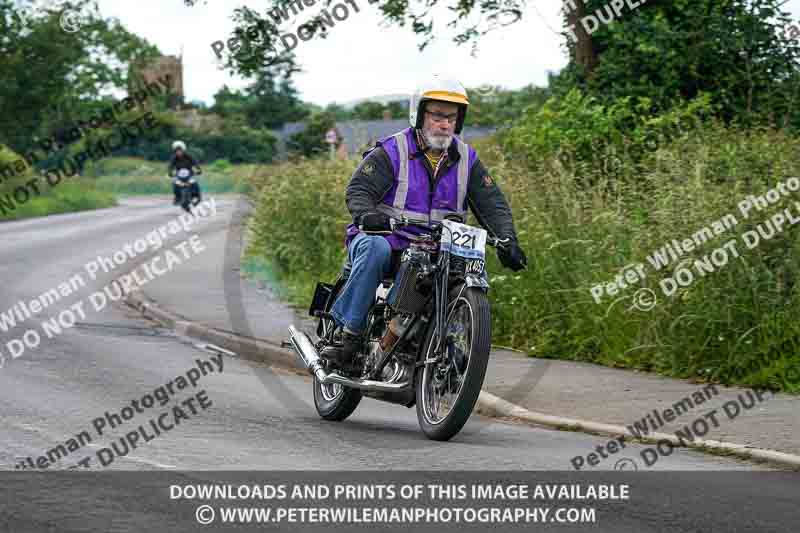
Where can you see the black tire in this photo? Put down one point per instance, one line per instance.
(480, 345)
(186, 199)
(338, 408)
(342, 405)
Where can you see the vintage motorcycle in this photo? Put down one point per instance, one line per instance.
(437, 315)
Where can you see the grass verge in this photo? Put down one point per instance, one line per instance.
(738, 323)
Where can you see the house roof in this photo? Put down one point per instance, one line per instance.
(358, 135)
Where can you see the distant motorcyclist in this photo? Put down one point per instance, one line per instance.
(180, 160)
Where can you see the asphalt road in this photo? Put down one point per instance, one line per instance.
(249, 417)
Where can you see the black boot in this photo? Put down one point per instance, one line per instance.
(342, 353)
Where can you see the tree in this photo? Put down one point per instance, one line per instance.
(340, 114)
(398, 109)
(733, 50)
(262, 37)
(273, 101)
(368, 111)
(230, 105)
(52, 77)
(311, 141)
(583, 52)
(660, 49)
(495, 106)
(267, 103)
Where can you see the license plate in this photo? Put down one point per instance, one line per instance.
(463, 240)
(474, 266)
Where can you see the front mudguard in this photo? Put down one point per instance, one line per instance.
(480, 281)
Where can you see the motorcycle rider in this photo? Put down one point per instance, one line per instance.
(425, 172)
(180, 159)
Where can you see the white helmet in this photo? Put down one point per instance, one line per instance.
(178, 144)
(443, 90)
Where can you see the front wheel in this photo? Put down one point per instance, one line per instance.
(448, 389)
(186, 199)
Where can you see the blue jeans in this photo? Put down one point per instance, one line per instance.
(371, 260)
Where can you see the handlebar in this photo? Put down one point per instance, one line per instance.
(491, 240)
(497, 242)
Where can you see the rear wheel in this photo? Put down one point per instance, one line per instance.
(448, 388)
(334, 402)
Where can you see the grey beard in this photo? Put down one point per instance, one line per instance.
(437, 142)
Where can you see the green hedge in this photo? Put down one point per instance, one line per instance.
(71, 194)
(580, 222)
(132, 176)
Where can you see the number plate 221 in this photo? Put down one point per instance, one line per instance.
(462, 240)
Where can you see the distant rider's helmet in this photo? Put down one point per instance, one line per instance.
(443, 90)
(179, 145)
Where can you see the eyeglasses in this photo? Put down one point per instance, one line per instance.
(440, 117)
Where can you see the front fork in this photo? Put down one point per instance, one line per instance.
(440, 306)
(442, 294)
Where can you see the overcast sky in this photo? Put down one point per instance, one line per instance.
(362, 56)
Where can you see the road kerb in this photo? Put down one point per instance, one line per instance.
(246, 347)
(491, 405)
(488, 404)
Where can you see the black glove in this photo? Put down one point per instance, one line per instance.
(511, 256)
(375, 222)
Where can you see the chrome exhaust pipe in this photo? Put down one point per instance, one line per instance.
(308, 354)
(365, 384)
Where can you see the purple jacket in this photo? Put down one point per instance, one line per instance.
(412, 194)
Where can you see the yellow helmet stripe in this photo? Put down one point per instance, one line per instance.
(446, 96)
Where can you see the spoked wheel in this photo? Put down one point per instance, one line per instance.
(334, 402)
(448, 388)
